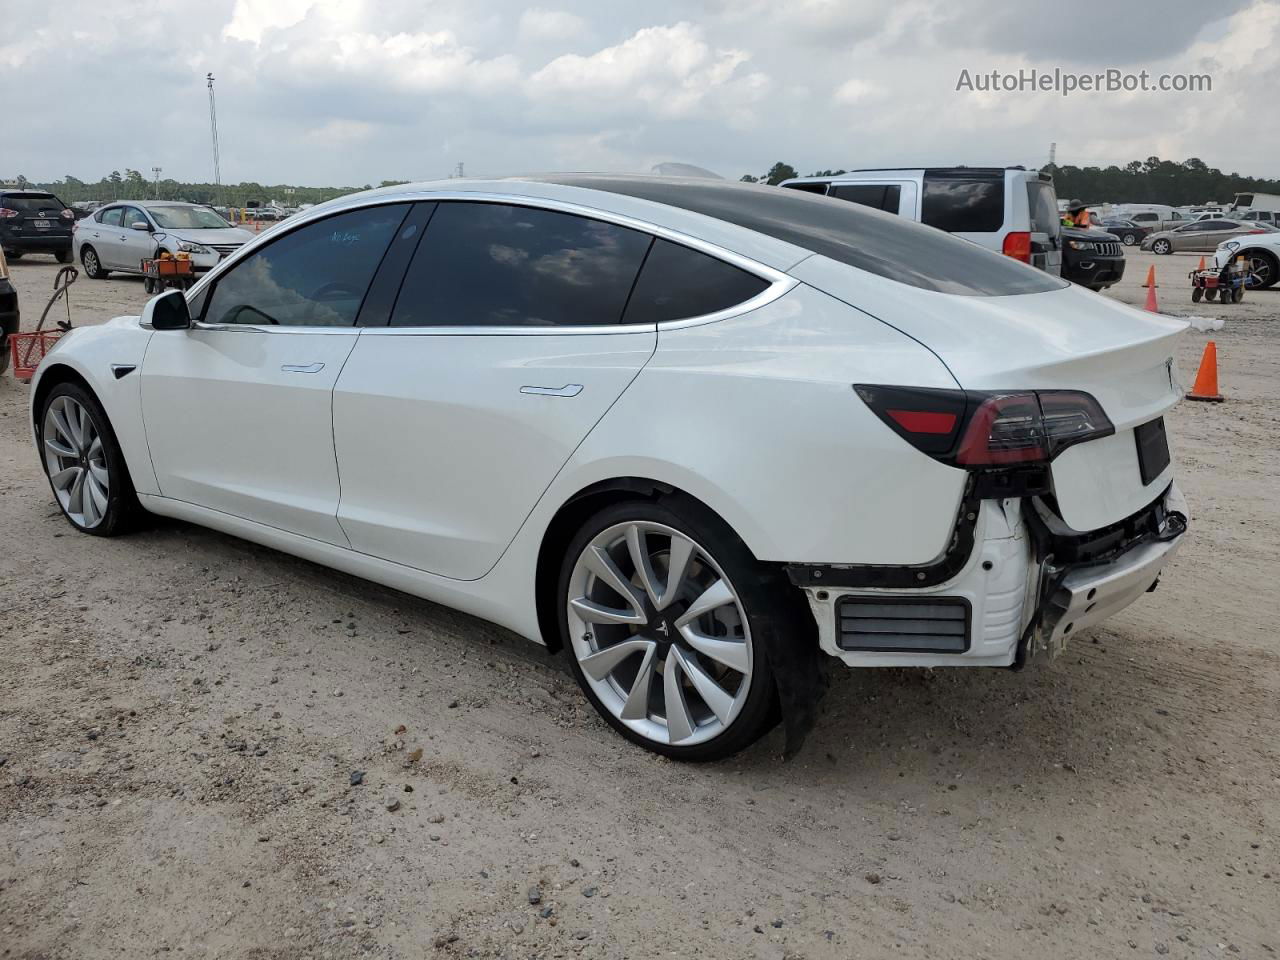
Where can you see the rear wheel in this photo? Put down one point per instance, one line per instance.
(1196, 294)
(92, 265)
(1128, 239)
(15, 255)
(62, 256)
(1211, 293)
(83, 462)
(666, 617)
(1237, 294)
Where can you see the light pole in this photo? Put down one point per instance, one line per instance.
(156, 171)
(213, 127)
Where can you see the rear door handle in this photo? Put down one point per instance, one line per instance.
(568, 390)
(302, 367)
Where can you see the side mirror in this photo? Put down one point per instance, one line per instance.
(168, 311)
(141, 225)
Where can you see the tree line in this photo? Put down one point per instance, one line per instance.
(1140, 181)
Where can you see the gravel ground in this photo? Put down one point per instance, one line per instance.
(210, 749)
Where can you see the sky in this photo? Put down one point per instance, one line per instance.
(348, 92)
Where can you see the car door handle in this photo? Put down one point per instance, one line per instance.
(568, 390)
(302, 367)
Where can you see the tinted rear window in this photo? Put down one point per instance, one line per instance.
(879, 243)
(490, 264)
(876, 196)
(960, 204)
(31, 203)
(677, 283)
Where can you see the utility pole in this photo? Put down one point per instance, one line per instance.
(213, 127)
(156, 171)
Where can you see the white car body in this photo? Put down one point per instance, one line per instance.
(1262, 256)
(436, 460)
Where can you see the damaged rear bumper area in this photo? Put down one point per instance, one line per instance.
(1017, 582)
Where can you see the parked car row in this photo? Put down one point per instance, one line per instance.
(1201, 235)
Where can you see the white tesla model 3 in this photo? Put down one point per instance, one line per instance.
(696, 434)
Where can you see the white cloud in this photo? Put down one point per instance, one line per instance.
(537, 23)
(669, 70)
(251, 19)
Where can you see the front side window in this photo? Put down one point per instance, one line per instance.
(111, 217)
(315, 276)
(491, 264)
(678, 282)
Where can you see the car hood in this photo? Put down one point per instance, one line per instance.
(229, 235)
(1092, 234)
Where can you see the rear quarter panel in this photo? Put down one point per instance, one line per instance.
(756, 416)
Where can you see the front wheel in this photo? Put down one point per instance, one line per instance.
(1162, 247)
(83, 462)
(1196, 294)
(666, 618)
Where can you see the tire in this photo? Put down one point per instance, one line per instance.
(1237, 294)
(62, 256)
(100, 486)
(721, 683)
(1162, 247)
(1128, 239)
(1264, 269)
(16, 255)
(92, 265)
(1211, 294)
(148, 285)
(1196, 294)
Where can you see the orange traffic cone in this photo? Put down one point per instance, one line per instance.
(1206, 385)
(1201, 267)
(1151, 277)
(1151, 300)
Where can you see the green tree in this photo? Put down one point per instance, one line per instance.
(778, 172)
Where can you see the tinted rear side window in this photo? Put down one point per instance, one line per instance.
(959, 204)
(111, 217)
(677, 283)
(876, 196)
(879, 243)
(29, 203)
(490, 264)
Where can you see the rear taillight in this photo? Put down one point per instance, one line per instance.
(987, 431)
(1017, 244)
(7, 214)
(67, 215)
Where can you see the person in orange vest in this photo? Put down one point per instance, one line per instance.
(1077, 215)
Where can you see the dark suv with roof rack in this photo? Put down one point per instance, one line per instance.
(35, 221)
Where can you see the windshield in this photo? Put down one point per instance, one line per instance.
(187, 218)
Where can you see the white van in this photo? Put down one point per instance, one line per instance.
(1011, 210)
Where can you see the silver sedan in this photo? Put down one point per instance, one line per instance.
(1200, 236)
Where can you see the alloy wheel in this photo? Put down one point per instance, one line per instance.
(1259, 272)
(659, 633)
(90, 263)
(75, 459)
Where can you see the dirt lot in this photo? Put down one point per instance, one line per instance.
(181, 716)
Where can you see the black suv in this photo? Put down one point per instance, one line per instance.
(1091, 257)
(8, 312)
(34, 221)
